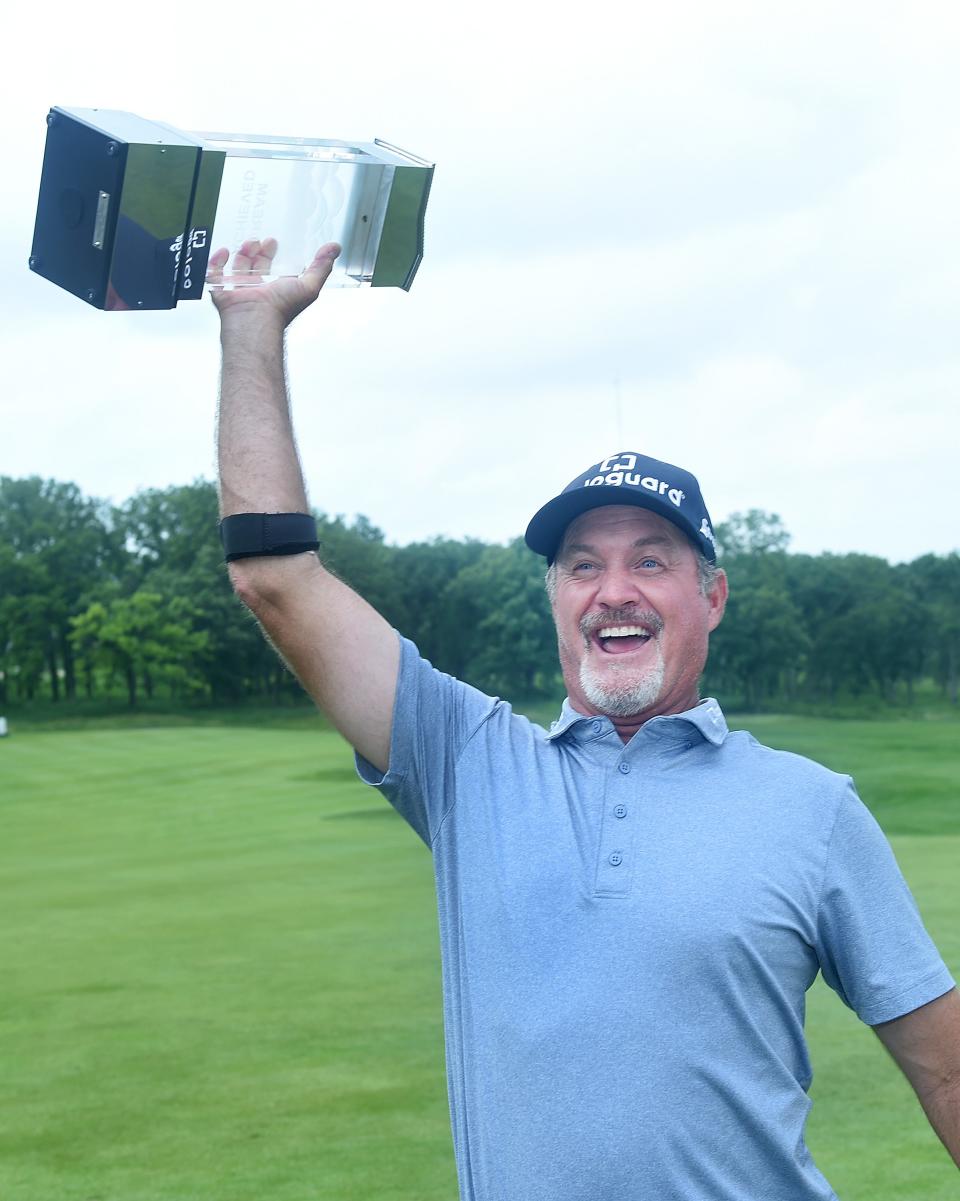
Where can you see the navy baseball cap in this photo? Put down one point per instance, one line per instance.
(626, 478)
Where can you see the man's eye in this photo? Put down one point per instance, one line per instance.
(583, 567)
(649, 563)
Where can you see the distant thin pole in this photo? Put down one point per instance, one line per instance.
(619, 407)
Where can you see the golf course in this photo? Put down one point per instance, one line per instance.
(221, 974)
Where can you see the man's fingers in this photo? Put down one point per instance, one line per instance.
(215, 265)
(330, 250)
(316, 274)
(263, 259)
(244, 258)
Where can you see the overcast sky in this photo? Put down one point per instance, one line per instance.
(722, 234)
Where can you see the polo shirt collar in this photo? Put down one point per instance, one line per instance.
(706, 717)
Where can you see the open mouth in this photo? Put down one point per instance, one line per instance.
(621, 640)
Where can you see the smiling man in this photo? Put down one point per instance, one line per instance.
(618, 573)
(632, 905)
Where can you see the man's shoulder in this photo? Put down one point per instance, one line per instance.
(477, 713)
(746, 748)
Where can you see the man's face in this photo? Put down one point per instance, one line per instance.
(632, 622)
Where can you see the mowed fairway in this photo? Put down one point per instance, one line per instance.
(221, 978)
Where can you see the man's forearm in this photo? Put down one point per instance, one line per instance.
(259, 466)
(942, 1108)
(925, 1043)
(322, 629)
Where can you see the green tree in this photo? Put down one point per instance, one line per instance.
(500, 615)
(759, 649)
(175, 553)
(423, 572)
(750, 533)
(858, 615)
(936, 583)
(58, 545)
(24, 622)
(143, 638)
(175, 528)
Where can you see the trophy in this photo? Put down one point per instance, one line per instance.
(131, 210)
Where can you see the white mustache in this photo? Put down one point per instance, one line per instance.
(626, 616)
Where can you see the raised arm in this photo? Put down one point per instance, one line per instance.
(342, 651)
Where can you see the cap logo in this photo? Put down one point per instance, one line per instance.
(707, 532)
(625, 462)
(621, 474)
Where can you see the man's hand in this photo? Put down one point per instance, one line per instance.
(284, 298)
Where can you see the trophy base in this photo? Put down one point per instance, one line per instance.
(235, 280)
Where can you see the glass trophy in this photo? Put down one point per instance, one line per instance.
(131, 210)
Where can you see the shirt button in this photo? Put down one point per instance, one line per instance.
(597, 727)
(615, 859)
(620, 811)
(623, 768)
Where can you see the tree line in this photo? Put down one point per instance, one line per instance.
(97, 600)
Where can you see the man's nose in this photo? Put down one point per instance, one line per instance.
(619, 586)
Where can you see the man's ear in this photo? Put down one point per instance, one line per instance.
(717, 599)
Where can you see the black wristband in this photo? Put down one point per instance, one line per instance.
(246, 535)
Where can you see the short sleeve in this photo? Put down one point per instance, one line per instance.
(434, 716)
(874, 950)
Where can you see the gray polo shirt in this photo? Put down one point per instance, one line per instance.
(627, 935)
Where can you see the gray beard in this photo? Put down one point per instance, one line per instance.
(626, 697)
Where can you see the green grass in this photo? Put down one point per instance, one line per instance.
(221, 977)
(113, 713)
(221, 974)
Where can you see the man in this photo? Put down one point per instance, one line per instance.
(633, 905)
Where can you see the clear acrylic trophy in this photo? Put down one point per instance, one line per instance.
(130, 210)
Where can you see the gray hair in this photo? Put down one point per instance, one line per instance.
(707, 573)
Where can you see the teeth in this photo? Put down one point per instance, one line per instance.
(623, 632)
